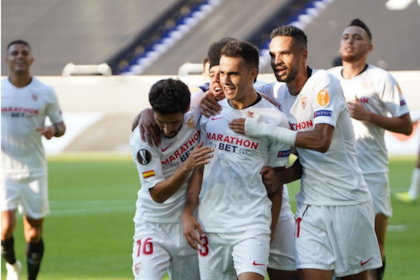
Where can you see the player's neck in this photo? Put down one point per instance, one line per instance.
(298, 83)
(352, 69)
(248, 99)
(20, 81)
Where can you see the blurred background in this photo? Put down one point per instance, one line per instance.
(102, 56)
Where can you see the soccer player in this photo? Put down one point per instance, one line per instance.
(234, 216)
(411, 195)
(164, 173)
(25, 103)
(334, 226)
(371, 94)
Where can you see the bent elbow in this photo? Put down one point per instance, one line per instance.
(408, 130)
(323, 146)
(158, 198)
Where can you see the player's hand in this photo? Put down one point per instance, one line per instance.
(248, 126)
(192, 230)
(149, 130)
(269, 179)
(47, 131)
(358, 111)
(199, 156)
(209, 106)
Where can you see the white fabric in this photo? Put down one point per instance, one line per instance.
(23, 110)
(255, 127)
(159, 248)
(378, 184)
(331, 178)
(339, 238)
(282, 248)
(156, 164)
(233, 197)
(230, 254)
(379, 93)
(28, 193)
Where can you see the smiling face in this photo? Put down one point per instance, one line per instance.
(19, 58)
(236, 78)
(215, 86)
(287, 58)
(355, 44)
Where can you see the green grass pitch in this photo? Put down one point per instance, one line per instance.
(88, 234)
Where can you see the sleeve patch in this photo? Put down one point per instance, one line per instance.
(402, 102)
(144, 157)
(283, 153)
(323, 113)
(147, 174)
(323, 98)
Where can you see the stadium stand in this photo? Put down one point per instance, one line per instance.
(76, 31)
(395, 33)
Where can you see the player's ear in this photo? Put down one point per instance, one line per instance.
(254, 74)
(304, 55)
(31, 60)
(370, 48)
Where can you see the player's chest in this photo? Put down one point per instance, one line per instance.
(175, 151)
(300, 113)
(362, 90)
(22, 104)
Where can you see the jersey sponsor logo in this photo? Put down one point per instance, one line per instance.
(185, 150)
(144, 157)
(402, 102)
(35, 96)
(232, 140)
(147, 174)
(19, 110)
(190, 122)
(255, 263)
(283, 153)
(137, 267)
(301, 125)
(362, 263)
(323, 98)
(364, 100)
(323, 113)
(164, 149)
(303, 102)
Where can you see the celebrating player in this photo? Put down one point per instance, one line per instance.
(25, 103)
(233, 206)
(164, 173)
(332, 185)
(371, 94)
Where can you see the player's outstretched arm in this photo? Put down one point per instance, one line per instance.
(209, 105)
(54, 130)
(318, 139)
(165, 189)
(191, 227)
(149, 130)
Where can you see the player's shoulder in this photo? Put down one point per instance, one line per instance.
(378, 74)
(270, 113)
(200, 89)
(336, 71)
(323, 77)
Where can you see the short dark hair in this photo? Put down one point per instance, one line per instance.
(18, 42)
(169, 96)
(215, 49)
(291, 31)
(361, 24)
(247, 51)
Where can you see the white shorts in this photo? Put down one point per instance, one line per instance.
(282, 249)
(378, 184)
(28, 192)
(226, 255)
(339, 238)
(159, 248)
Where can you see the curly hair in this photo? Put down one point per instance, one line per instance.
(291, 31)
(169, 96)
(18, 42)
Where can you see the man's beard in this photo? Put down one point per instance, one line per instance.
(290, 77)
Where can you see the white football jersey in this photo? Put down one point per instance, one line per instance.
(23, 110)
(331, 178)
(156, 164)
(379, 93)
(233, 197)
